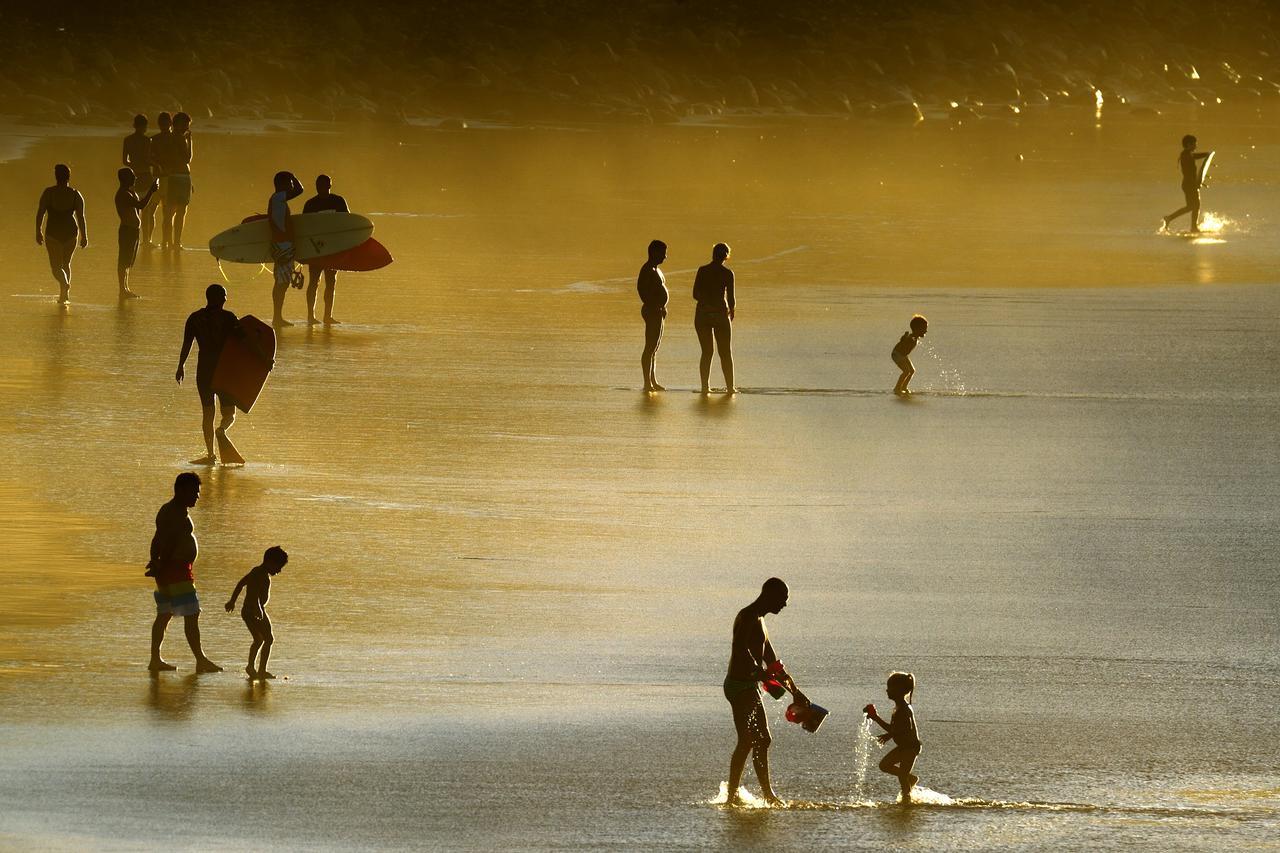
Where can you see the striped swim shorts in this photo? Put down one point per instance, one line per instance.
(177, 599)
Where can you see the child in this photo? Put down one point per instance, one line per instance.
(257, 586)
(901, 729)
(919, 325)
(1190, 184)
(128, 206)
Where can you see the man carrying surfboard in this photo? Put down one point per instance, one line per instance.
(210, 327)
(1192, 180)
(282, 250)
(324, 199)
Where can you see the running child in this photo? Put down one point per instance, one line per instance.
(901, 729)
(919, 325)
(257, 587)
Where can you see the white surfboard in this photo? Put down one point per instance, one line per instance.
(315, 235)
(1204, 167)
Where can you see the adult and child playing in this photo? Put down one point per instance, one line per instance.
(752, 661)
(174, 550)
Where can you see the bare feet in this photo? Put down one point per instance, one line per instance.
(1164, 224)
(262, 673)
(206, 665)
(774, 801)
(312, 321)
(731, 391)
(912, 779)
(705, 391)
(204, 460)
(332, 321)
(280, 321)
(253, 673)
(158, 665)
(657, 387)
(129, 294)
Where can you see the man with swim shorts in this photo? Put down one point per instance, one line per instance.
(210, 327)
(279, 219)
(749, 661)
(324, 199)
(651, 284)
(127, 207)
(173, 555)
(713, 316)
(174, 152)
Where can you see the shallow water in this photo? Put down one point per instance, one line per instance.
(506, 615)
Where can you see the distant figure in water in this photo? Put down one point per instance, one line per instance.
(902, 351)
(279, 219)
(749, 660)
(173, 556)
(64, 206)
(651, 284)
(1190, 183)
(901, 729)
(257, 587)
(210, 327)
(138, 156)
(713, 317)
(324, 199)
(164, 122)
(174, 153)
(127, 207)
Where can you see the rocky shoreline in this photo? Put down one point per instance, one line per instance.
(652, 61)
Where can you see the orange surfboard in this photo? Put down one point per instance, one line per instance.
(369, 255)
(241, 372)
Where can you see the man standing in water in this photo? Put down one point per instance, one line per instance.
(210, 327)
(173, 556)
(1190, 183)
(158, 142)
(323, 200)
(278, 219)
(127, 206)
(749, 661)
(137, 156)
(176, 158)
(652, 287)
(65, 208)
(713, 318)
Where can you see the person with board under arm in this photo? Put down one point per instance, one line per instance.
(210, 327)
(324, 199)
(282, 249)
(1192, 180)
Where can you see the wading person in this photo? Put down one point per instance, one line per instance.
(257, 589)
(901, 729)
(1190, 183)
(159, 140)
(713, 317)
(175, 156)
(651, 284)
(210, 327)
(173, 556)
(282, 250)
(64, 207)
(127, 207)
(323, 200)
(138, 157)
(749, 661)
(901, 355)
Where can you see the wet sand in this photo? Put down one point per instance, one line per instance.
(505, 620)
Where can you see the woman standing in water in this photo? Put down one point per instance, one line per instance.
(713, 318)
(64, 207)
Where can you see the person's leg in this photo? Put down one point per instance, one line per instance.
(282, 271)
(724, 346)
(166, 225)
(1193, 202)
(908, 370)
(256, 636)
(702, 327)
(179, 220)
(753, 739)
(657, 345)
(652, 332)
(157, 639)
(149, 217)
(313, 288)
(191, 626)
(228, 411)
(330, 291)
(890, 763)
(267, 639)
(907, 779)
(206, 426)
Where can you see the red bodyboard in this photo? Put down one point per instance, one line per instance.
(369, 255)
(241, 372)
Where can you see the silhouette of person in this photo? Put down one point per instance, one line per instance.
(257, 587)
(137, 155)
(751, 656)
(279, 219)
(651, 284)
(127, 206)
(902, 352)
(901, 729)
(210, 327)
(1190, 183)
(173, 556)
(174, 154)
(164, 122)
(324, 199)
(64, 207)
(713, 317)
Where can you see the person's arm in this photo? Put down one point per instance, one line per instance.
(188, 336)
(295, 188)
(142, 202)
(342, 205)
(159, 543)
(231, 603)
(1200, 155)
(697, 284)
(124, 152)
(728, 292)
(84, 229)
(40, 212)
(189, 150)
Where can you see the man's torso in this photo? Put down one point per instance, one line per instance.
(651, 284)
(176, 528)
(127, 209)
(320, 203)
(210, 327)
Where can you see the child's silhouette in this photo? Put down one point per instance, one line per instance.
(919, 326)
(257, 586)
(901, 729)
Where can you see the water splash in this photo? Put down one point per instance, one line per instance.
(951, 378)
(929, 797)
(862, 757)
(746, 799)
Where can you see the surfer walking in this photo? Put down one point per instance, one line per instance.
(61, 213)
(282, 249)
(210, 327)
(713, 317)
(751, 657)
(173, 556)
(1192, 180)
(127, 207)
(651, 284)
(324, 199)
